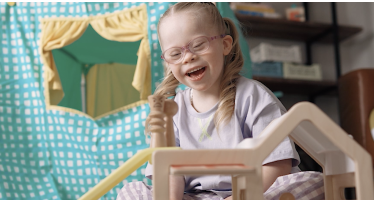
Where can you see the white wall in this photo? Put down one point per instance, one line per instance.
(355, 52)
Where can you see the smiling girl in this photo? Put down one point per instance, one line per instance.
(220, 107)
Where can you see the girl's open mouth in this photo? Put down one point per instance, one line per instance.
(196, 74)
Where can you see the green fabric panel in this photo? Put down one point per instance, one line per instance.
(91, 48)
(87, 68)
(88, 50)
(70, 72)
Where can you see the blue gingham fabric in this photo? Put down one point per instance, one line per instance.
(50, 154)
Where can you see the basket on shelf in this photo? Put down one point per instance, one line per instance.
(267, 52)
(268, 69)
(297, 71)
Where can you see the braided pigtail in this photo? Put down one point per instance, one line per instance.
(233, 65)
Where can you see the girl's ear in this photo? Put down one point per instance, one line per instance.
(227, 44)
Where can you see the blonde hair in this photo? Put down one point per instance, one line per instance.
(233, 62)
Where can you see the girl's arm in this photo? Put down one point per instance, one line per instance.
(271, 171)
(176, 187)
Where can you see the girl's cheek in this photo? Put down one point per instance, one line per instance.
(175, 73)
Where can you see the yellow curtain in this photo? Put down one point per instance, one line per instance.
(55, 35)
(126, 26)
(109, 88)
(129, 27)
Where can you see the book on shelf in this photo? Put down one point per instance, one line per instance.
(258, 14)
(254, 9)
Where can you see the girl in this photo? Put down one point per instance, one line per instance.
(220, 108)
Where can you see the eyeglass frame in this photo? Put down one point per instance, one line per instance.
(184, 48)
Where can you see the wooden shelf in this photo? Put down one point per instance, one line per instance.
(293, 30)
(300, 87)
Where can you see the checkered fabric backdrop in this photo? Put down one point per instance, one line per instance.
(49, 154)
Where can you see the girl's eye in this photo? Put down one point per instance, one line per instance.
(198, 45)
(175, 53)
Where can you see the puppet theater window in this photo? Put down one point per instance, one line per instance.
(98, 64)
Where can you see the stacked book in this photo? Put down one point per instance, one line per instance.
(282, 62)
(254, 9)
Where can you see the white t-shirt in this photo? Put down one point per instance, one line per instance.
(255, 107)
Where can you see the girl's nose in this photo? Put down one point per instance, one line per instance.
(188, 57)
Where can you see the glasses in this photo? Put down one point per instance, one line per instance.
(196, 46)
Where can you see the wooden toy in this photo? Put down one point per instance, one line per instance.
(170, 109)
(157, 122)
(161, 121)
(345, 163)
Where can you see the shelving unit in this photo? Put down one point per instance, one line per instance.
(292, 30)
(308, 32)
(293, 86)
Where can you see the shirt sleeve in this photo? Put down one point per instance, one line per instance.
(149, 171)
(265, 111)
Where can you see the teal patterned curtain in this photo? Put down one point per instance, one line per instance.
(50, 154)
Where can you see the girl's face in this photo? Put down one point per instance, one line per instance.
(201, 72)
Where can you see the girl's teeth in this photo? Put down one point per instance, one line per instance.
(195, 70)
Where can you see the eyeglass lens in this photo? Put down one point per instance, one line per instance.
(196, 46)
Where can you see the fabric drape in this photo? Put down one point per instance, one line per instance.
(55, 35)
(130, 27)
(126, 26)
(114, 90)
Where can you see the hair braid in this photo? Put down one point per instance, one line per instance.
(233, 65)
